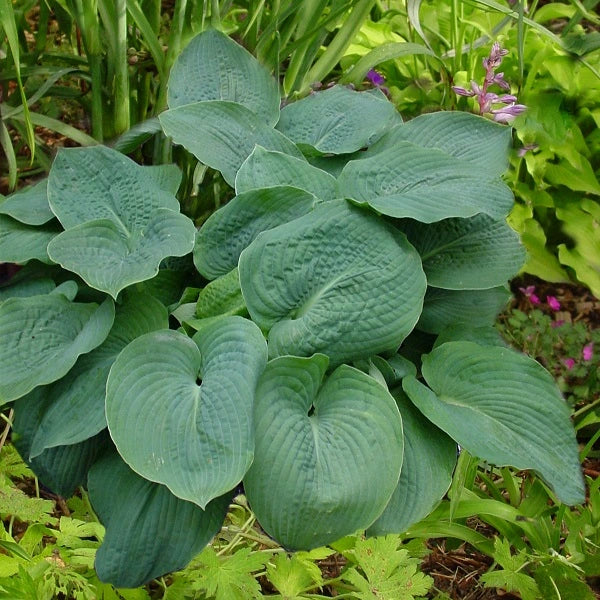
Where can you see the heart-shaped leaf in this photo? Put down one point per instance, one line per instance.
(503, 407)
(222, 134)
(180, 411)
(328, 453)
(30, 205)
(113, 186)
(473, 308)
(82, 394)
(425, 184)
(42, 336)
(223, 296)
(214, 67)
(109, 258)
(63, 468)
(27, 287)
(167, 177)
(264, 168)
(298, 278)
(338, 120)
(232, 228)
(20, 243)
(468, 137)
(429, 460)
(149, 532)
(466, 254)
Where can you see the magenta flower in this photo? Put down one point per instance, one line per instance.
(375, 78)
(588, 351)
(569, 363)
(553, 302)
(529, 293)
(557, 323)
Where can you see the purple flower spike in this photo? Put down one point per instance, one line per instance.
(507, 99)
(526, 148)
(569, 363)
(507, 114)
(499, 80)
(461, 91)
(553, 302)
(375, 78)
(588, 351)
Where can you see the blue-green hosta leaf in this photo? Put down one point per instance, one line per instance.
(63, 468)
(42, 337)
(466, 254)
(473, 308)
(427, 466)
(232, 228)
(94, 183)
(265, 168)
(149, 532)
(180, 411)
(424, 184)
(222, 134)
(214, 67)
(20, 243)
(465, 136)
(338, 120)
(461, 332)
(26, 288)
(338, 281)
(328, 451)
(503, 407)
(110, 258)
(223, 296)
(30, 205)
(81, 395)
(167, 177)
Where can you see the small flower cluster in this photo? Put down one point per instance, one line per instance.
(487, 100)
(587, 351)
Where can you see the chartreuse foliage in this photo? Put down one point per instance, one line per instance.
(336, 279)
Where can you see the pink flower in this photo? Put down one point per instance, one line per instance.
(529, 292)
(588, 351)
(557, 323)
(569, 363)
(553, 303)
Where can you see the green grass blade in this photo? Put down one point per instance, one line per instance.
(412, 9)
(9, 152)
(149, 37)
(7, 21)
(381, 54)
(69, 131)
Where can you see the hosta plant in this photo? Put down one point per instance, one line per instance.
(324, 339)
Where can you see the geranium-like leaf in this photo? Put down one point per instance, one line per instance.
(214, 67)
(232, 228)
(328, 451)
(424, 184)
(503, 407)
(180, 411)
(20, 243)
(149, 532)
(30, 205)
(300, 278)
(62, 468)
(338, 120)
(473, 308)
(466, 254)
(429, 460)
(469, 137)
(81, 395)
(264, 168)
(42, 337)
(222, 134)
(109, 258)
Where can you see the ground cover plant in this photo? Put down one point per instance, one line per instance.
(263, 347)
